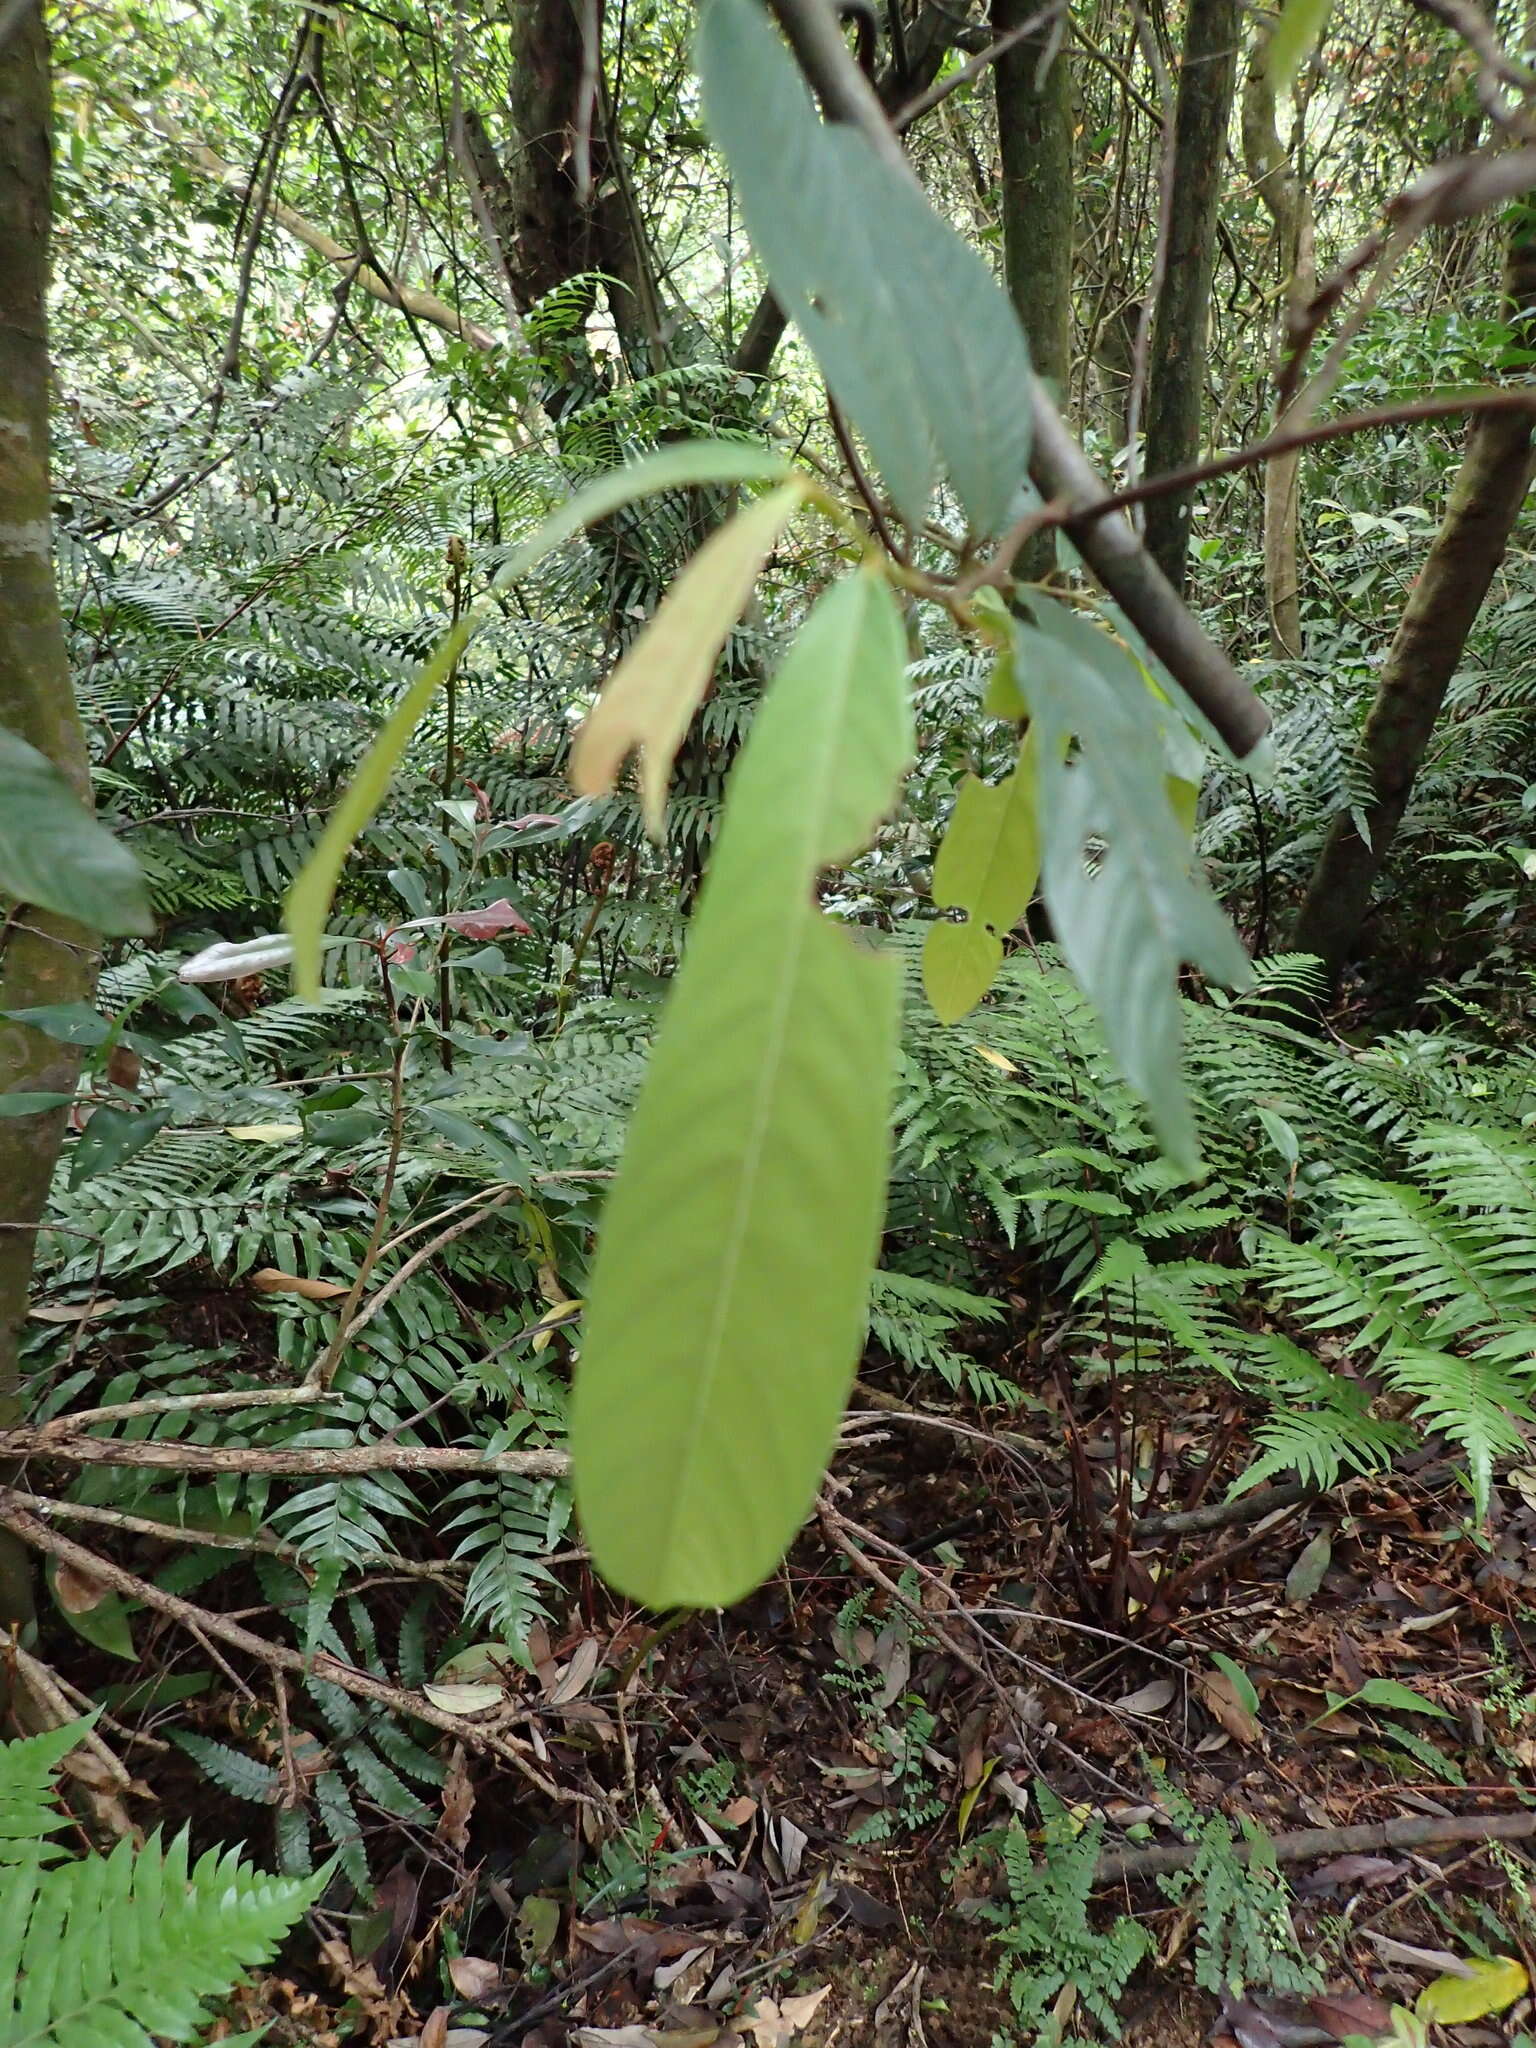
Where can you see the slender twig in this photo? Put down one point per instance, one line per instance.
(1413, 411)
(323, 1371)
(178, 1404)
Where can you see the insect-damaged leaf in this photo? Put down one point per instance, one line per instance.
(731, 1283)
(915, 337)
(655, 690)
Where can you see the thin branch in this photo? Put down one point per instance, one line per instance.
(1058, 465)
(1489, 399)
(180, 1404)
(340, 1463)
(16, 1515)
(971, 70)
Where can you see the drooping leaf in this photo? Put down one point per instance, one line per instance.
(915, 337)
(730, 1292)
(55, 854)
(1496, 1982)
(988, 865)
(1294, 39)
(308, 902)
(1127, 904)
(655, 690)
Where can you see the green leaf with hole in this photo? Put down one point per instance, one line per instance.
(988, 865)
(111, 1137)
(730, 1292)
(54, 854)
(689, 463)
(916, 339)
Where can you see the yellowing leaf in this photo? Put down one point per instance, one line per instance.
(968, 1799)
(988, 866)
(269, 1280)
(652, 695)
(999, 1060)
(557, 1318)
(1495, 1982)
(264, 1134)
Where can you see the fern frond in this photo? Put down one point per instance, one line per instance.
(116, 1951)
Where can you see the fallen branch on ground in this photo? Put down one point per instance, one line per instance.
(1129, 1865)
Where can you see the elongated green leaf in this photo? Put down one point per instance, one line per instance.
(1294, 39)
(729, 1297)
(916, 339)
(988, 866)
(655, 690)
(308, 902)
(1127, 904)
(55, 854)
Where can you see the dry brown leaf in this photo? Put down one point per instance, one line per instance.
(1220, 1695)
(72, 1311)
(458, 1803)
(773, 2022)
(1352, 2012)
(76, 1589)
(474, 1976)
(271, 1280)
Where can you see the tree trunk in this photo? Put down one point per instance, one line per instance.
(1484, 504)
(1290, 207)
(1181, 322)
(1034, 132)
(45, 959)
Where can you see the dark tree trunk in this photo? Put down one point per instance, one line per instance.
(45, 959)
(1034, 133)
(1181, 320)
(1484, 504)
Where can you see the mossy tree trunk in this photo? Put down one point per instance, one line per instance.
(1181, 320)
(1484, 504)
(45, 960)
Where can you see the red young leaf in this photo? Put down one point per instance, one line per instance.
(485, 924)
